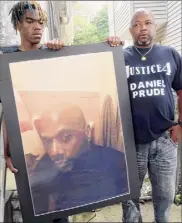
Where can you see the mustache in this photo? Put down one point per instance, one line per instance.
(59, 157)
(144, 43)
(65, 164)
(144, 34)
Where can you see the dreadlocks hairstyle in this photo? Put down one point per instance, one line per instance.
(19, 9)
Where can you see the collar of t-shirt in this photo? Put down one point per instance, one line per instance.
(18, 50)
(143, 50)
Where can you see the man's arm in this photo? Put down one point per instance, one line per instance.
(178, 128)
(55, 44)
(179, 93)
(7, 155)
(115, 41)
(176, 131)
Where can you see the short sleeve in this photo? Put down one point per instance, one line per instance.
(1, 52)
(177, 81)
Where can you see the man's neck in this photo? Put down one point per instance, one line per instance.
(29, 46)
(144, 46)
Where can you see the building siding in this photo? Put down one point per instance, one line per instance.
(111, 18)
(122, 13)
(123, 10)
(158, 8)
(173, 31)
(168, 16)
(7, 33)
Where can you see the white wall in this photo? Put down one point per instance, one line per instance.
(173, 31)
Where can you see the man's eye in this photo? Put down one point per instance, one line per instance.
(41, 22)
(66, 137)
(47, 141)
(148, 23)
(29, 21)
(136, 25)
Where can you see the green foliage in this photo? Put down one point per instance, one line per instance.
(101, 22)
(91, 32)
(178, 199)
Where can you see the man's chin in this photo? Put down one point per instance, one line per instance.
(64, 167)
(36, 41)
(144, 42)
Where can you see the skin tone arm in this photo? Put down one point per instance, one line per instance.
(179, 93)
(6, 150)
(176, 131)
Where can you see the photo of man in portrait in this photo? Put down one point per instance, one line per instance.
(71, 131)
(74, 171)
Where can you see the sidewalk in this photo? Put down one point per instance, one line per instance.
(113, 214)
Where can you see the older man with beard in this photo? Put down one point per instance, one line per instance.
(153, 71)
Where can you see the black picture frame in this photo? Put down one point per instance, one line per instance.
(14, 135)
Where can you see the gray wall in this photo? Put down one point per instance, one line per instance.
(173, 32)
(122, 13)
(158, 8)
(7, 33)
(168, 16)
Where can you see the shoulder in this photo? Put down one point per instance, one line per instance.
(43, 47)
(110, 159)
(10, 49)
(102, 153)
(173, 55)
(129, 53)
(128, 50)
(163, 47)
(168, 50)
(108, 153)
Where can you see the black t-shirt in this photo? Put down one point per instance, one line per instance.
(18, 50)
(150, 85)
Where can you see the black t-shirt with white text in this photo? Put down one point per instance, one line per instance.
(150, 85)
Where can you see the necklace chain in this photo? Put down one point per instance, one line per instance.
(143, 55)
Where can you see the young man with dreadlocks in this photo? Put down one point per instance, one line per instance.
(29, 19)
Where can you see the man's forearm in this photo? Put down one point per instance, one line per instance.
(7, 154)
(179, 93)
(6, 144)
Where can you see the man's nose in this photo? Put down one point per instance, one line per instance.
(56, 148)
(37, 26)
(143, 27)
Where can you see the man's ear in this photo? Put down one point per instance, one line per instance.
(18, 26)
(130, 31)
(36, 121)
(88, 130)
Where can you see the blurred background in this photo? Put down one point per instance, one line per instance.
(82, 22)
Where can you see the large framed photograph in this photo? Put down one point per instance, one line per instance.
(70, 130)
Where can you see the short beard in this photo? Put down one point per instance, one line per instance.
(138, 43)
(144, 43)
(66, 166)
